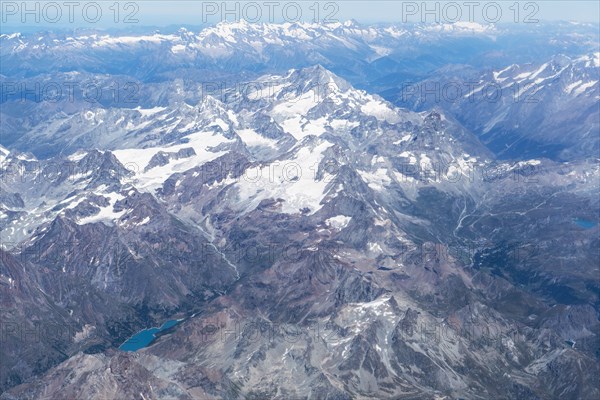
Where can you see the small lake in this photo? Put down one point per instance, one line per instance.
(144, 337)
(584, 223)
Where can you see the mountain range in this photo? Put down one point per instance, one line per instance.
(313, 225)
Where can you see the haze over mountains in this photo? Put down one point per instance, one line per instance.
(319, 221)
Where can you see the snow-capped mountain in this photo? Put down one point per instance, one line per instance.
(532, 110)
(232, 48)
(496, 71)
(309, 120)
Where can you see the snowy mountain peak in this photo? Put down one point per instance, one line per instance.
(3, 153)
(317, 76)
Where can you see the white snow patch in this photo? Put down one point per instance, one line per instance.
(338, 222)
(379, 110)
(148, 112)
(178, 48)
(138, 159)
(343, 124)
(584, 87)
(252, 139)
(105, 213)
(77, 156)
(403, 139)
(292, 180)
(376, 180)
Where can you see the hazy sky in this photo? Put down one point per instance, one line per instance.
(385, 11)
(128, 14)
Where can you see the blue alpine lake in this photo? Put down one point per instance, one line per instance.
(144, 337)
(584, 223)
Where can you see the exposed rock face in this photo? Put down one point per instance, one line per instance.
(36, 332)
(163, 158)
